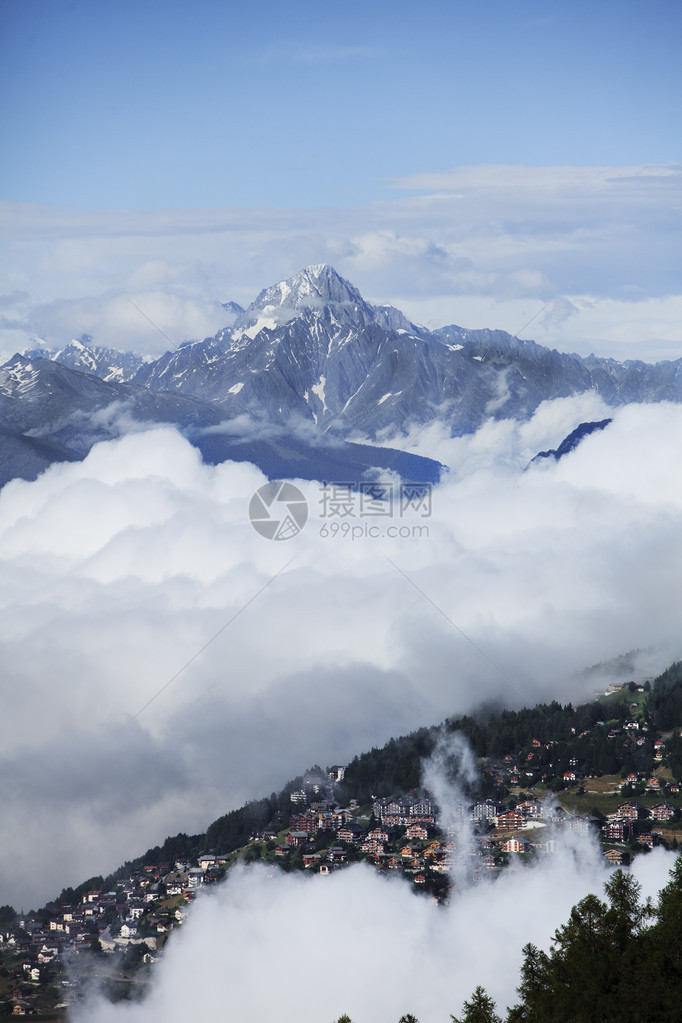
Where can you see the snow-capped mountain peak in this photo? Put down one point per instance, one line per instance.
(315, 288)
(83, 354)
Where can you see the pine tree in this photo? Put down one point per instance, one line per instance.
(481, 1009)
(664, 947)
(534, 988)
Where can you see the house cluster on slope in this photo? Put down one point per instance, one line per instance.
(132, 922)
(632, 821)
(404, 835)
(141, 911)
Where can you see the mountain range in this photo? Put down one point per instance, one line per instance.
(307, 367)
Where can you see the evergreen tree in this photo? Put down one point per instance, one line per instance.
(609, 963)
(534, 988)
(664, 947)
(481, 1009)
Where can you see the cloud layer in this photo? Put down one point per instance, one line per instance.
(269, 945)
(118, 571)
(488, 246)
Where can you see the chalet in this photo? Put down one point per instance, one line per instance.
(401, 807)
(195, 877)
(614, 856)
(530, 808)
(487, 810)
(631, 811)
(296, 838)
(618, 831)
(422, 808)
(509, 820)
(433, 849)
(579, 824)
(308, 822)
(417, 831)
(311, 859)
(349, 834)
(654, 783)
(372, 846)
(514, 845)
(664, 812)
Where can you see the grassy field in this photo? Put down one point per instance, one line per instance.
(602, 794)
(635, 701)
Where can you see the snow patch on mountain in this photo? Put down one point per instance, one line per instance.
(18, 379)
(318, 389)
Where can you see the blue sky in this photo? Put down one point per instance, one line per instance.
(470, 163)
(112, 106)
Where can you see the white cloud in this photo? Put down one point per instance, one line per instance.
(118, 570)
(576, 182)
(487, 247)
(275, 944)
